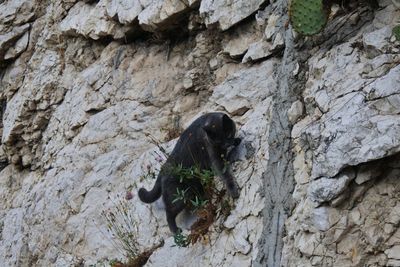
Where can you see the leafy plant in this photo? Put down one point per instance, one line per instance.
(206, 177)
(189, 173)
(198, 203)
(207, 206)
(180, 195)
(181, 240)
(396, 32)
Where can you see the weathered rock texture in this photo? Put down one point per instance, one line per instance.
(85, 83)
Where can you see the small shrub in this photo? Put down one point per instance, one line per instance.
(207, 206)
(181, 240)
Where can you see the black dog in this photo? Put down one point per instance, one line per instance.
(203, 144)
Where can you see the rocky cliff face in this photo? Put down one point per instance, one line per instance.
(84, 83)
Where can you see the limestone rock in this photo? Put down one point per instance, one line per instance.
(326, 189)
(325, 217)
(270, 29)
(367, 173)
(126, 11)
(27, 112)
(16, 12)
(378, 39)
(161, 13)
(227, 13)
(91, 21)
(348, 117)
(257, 51)
(18, 48)
(359, 124)
(85, 113)
(394, 252)
(238, 93)
(7, 40)
(295, 111)
(237, 43)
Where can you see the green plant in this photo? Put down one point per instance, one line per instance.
(181, 240)
(308, 17)
(207, 205)
(396, 32)
(114, 262)
(188, 173)
(206, 177)
(180, 195)
(198, 203)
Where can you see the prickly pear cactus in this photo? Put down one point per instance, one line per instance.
(396, 32)
(308, 17)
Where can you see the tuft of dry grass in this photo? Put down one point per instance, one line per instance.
(123, 229)
(140, 259)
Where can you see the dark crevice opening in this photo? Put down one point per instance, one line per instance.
(3, 159)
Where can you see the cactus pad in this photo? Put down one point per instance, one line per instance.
(396, 32)
(308, 17)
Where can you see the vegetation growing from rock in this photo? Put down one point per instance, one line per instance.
(308, 17)
(207, 206)
(396, 32)
(123, 229)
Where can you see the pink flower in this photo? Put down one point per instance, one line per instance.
(128, 195)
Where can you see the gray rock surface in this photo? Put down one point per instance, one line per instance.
(126, 11)
(227, 13)
(17, 36)
(91, 21)
(351, 126)
(326, 189)
(354, 118)
(295, 111)
(88, 86)
(118, 18)
(245, 88)
(160, 13)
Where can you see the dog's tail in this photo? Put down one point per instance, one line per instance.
(153, 194)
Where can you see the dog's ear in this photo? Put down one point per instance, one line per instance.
(228, 126)
(212, 125)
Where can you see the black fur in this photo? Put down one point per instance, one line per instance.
(203, 144)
